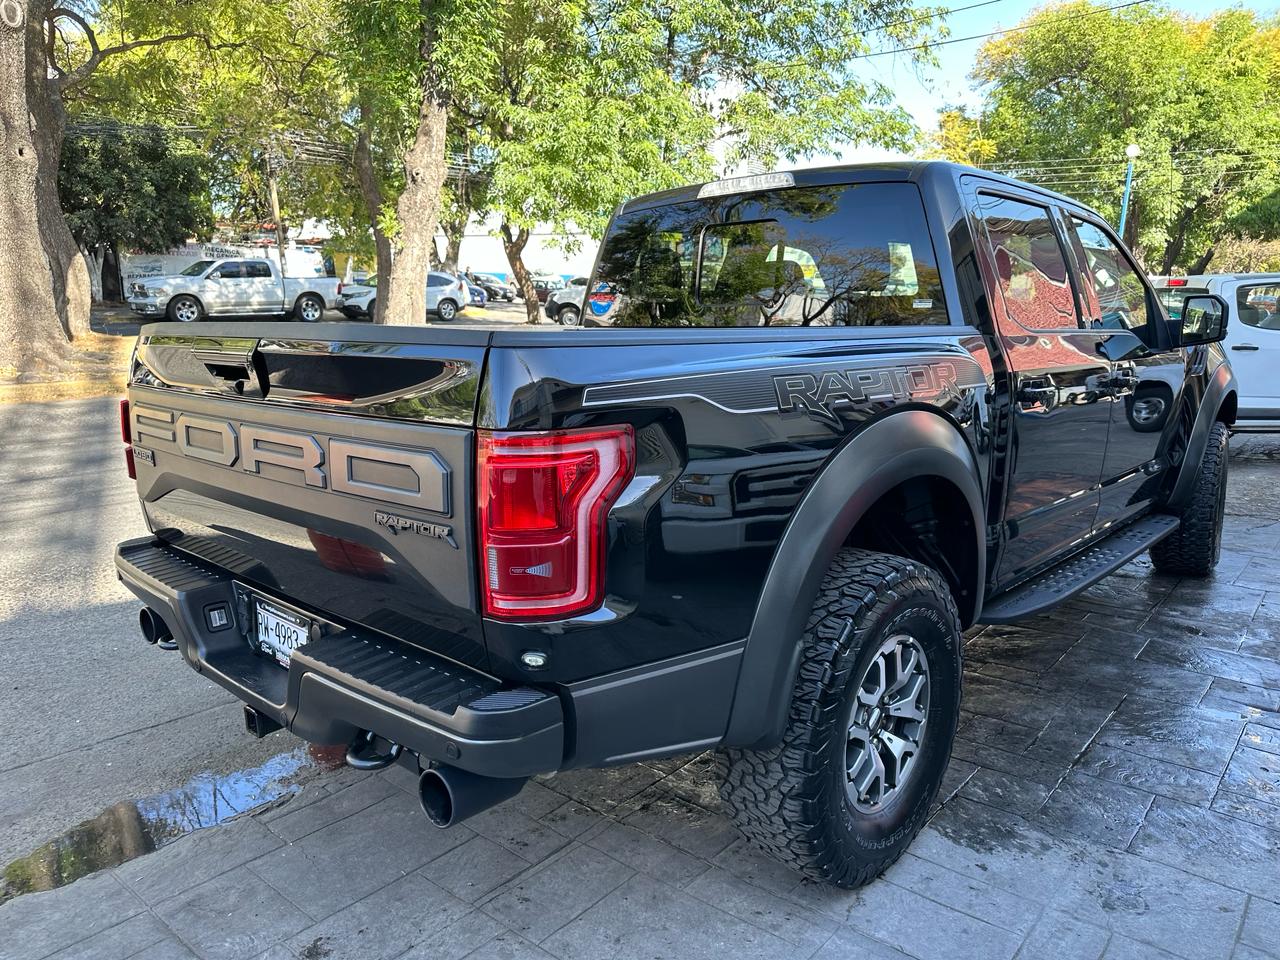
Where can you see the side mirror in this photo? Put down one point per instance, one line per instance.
(216, 275)
(1203, 320)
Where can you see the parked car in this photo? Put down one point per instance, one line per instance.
(494, 288)
(446, 296)
(544, 285)
(235, 287)
(1253, 337)
(753, 512)
(565, 305)
(478, 296)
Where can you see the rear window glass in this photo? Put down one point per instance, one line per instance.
(1171, 298)
(846, 255)
(1259, 306)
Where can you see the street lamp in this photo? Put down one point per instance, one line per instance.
(1131, 151)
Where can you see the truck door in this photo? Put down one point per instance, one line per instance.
(1058, 417)
(226, 288)
(1253, 338)
(264, 291)
(1147, 369)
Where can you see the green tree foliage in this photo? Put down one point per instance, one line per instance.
(1065, 95)
(135, 191)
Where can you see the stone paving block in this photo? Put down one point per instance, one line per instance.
(120, 942)
(1261, 927)
(1081, 668)
(1245, 952)
(474, 868)
(1248, 808)
(1095, 810)
(1254, 773)
(788, 920)
(1231, 852)
(518, 832)
(610, 791)
(683, 825)
(1003, 790)
(1060, 936)
(919, 926)
(338, 805)
(509, 946)
(1149, 775)
(1188, 736)
(455, 941)
(363, 853)
(572, 819)
(1003, 761)
(694, 781)
(745, 861)
(647, 854)
(1139, 898)
(39, 924)
(541, 902)
(1065, 738)
(997, 733)
(169, 948)
(1229, 694)
(193, 859)
(1123, 948)
(1200, 658)
(644, 920)
(953, 781)
(847, 944)
(977, 898)
(407, 912)
(232, 916)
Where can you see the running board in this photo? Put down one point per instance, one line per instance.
(1080, 571)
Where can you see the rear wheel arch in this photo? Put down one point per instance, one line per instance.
(909, 454)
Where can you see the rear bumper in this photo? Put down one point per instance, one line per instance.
(344, 681)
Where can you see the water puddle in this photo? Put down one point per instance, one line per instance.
(132, 828)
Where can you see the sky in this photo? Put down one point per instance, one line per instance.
(924, 92)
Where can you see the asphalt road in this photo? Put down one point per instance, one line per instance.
(90, 714)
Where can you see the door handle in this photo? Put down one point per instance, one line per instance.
(1244, 346)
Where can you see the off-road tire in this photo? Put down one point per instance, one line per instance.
(790, 799)
(1193, 549)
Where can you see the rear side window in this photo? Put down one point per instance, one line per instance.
(439, 280)
(845, 255)
(231, 270)
(1031, 268)
(1257, 306)
(1171, 298)
(256, 269)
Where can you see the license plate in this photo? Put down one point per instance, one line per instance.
(280, 632)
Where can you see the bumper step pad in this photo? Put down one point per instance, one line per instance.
(1078, 572)
(348, 680)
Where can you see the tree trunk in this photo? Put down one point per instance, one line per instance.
(514, 245)
(371, 191)
(44, 283)
(454, 231)
(1178, 237)
(1202, 262)
(418, 208)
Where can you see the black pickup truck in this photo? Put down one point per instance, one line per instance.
(813, 426)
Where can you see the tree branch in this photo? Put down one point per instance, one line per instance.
(69, 78)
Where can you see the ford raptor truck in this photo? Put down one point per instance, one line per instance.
(812, 426)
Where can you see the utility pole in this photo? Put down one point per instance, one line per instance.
(273, 192)
(1131, 151)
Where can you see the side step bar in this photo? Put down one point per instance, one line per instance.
(1078, 572)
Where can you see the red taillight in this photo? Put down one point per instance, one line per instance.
(339, 288)
(126, 434)
(542, 500)
(1177, 281)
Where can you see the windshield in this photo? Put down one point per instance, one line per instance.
(197, 268)
(842, 255)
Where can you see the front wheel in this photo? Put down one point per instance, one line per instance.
(569, 316)
(1193, 549)
(309, 308)
(184, 309)
(447, 310)
(868, 734)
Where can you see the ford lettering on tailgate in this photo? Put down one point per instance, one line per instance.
(388, 474)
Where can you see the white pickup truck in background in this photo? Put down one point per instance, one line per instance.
(236, 287)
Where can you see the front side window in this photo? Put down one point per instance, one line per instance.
(1257, 306)
(842, 255)
(196, 269)
(1119, 297)
(1030, 266)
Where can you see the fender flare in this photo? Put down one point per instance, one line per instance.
(1220, 385)
(897, 448)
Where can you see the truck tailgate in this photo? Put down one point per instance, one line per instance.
(329, 467)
